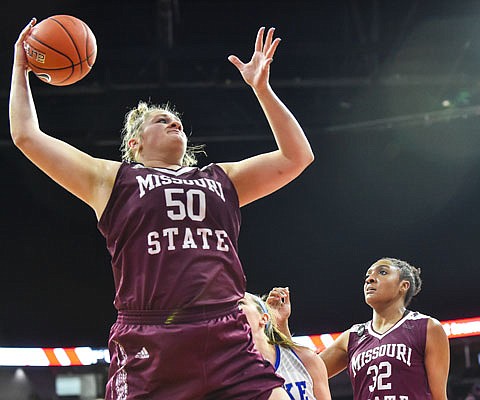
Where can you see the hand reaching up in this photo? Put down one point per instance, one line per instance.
(257, 71)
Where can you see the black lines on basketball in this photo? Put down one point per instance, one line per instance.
(61, 49)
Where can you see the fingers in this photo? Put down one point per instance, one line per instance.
(259, 40)
(270, 45)
(235, 61)
(268, 39)
(279, 295)
(273, 47)
(26, 31)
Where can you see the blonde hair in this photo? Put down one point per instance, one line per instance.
(271, 331)
(133, 124)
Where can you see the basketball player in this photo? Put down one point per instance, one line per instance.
(399, 354)
(304, 373)
(172, 231)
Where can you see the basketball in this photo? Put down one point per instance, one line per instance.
(61, 50)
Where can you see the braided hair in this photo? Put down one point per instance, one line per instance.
(409, 273)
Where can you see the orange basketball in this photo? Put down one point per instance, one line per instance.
(61, 50)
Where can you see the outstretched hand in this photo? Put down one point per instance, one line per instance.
(20, 56)
(279, 302)
(257, 71)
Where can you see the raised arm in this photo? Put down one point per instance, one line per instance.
(263, 174)
(437, 359)
(88, 178)
(278, 301)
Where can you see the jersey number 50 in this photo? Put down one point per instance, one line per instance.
(181, 204)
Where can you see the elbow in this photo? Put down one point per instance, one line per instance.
(308, 158)
(19, 138)
(311, 158)
(301, 162)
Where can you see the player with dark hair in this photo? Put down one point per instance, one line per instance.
(304, 373)
(172, 232)
(398, 355)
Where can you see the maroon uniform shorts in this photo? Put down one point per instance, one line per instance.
(199, 355)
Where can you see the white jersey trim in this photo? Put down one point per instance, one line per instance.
(169, 171)
(412, 315)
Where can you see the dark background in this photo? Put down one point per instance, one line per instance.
(387, 92)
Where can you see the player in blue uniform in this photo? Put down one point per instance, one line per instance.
(304, 373)
(172, 232)
(399, 354)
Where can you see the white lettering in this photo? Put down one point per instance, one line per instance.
(188, 238)
(196, 210)
(392, 350)
(170, 232)
(152, 181)
(203, 232)
(188, 242)
(221, 235)
(356, 364)
(165, 180)
(382, 351)
(200, 182)
(368, 356)
(154, 243)
(144, 183)
(177, 210)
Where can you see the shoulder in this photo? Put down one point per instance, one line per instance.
(312, 362)
(415, 315)
(358, 329)
(214, 170)
(435, 328)
(429, 323)
(304, 353)
(436, 337)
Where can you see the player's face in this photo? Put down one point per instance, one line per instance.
(162, 131)
(250, 309)
(382, 283)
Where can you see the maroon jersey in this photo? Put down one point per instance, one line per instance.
(173, 238)
(389, 366)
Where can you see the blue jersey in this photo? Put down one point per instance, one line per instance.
(389, 366)
(172, 235)
(298, 382)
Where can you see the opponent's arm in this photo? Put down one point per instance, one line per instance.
(278, 301)
(263, 174)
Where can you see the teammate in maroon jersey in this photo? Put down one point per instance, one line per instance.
(399, 354)
(172, 232)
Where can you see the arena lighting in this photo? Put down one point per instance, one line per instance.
(52, 357)
(455, 328)
(76, 356)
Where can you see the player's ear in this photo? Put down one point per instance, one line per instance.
(265, 319)
(404, 286)
(133, 143)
